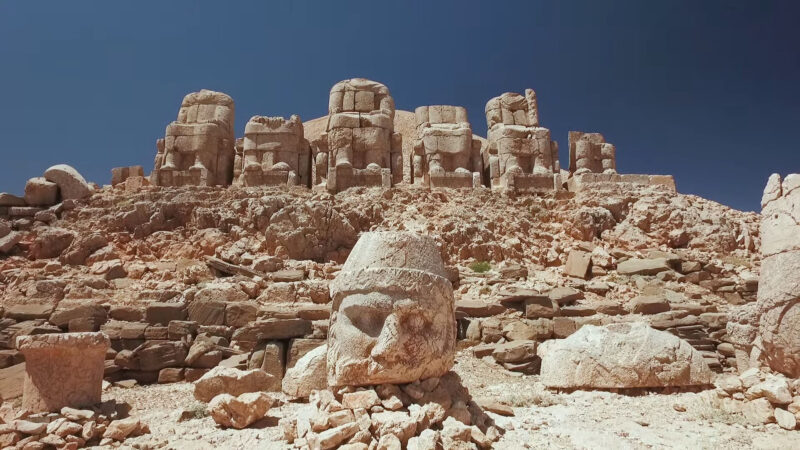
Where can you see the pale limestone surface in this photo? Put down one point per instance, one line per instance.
(198, 148)
(71, 184)
(590, 153)
(779, 281)
(621, 356)
(273, 152)
(239, 412)
(520, 154)
(62, 370)
(360, 147)
(40, 192)
(393, 313)
(445, 152)
(308, 374)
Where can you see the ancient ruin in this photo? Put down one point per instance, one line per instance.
(520, 155)
(445, 152)
(198, 147)
(62, 370)
(392, 316)
(779, 283)
(319, 285)
(274, 152)
(359, 147)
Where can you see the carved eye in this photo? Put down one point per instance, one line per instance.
(367, 319)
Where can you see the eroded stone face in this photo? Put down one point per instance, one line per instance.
(393, 313)
(520, 153)
(779, 283)
(361, 146)
(274, 152)
(590, 153)
(198, 148)
(445, 153)
(62, 370)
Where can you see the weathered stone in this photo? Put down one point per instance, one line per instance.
(515, 352)
(239, 314)
(239, 412)
(393, 319)
(71, 185)
(207, 312)
(9, 241)
(51, 242)
(274, 152)
(198, 148)
(636, 266)
(273, 329)
(564, 295)
(621, 356)
(578, 265)
(445, 152)
(225, 380)
(40, 192)
(63, 315)
(649, 304)
(164, 313)
(779, 281)
(62, 370)
(308, 374)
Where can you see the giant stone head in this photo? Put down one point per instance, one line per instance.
(393, 318)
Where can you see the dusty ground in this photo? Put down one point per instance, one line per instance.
(543, 419)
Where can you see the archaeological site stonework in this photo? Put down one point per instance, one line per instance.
(377, 278)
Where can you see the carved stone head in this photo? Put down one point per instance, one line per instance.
(393, 318)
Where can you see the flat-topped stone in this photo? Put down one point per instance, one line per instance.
(71, 184)
(62, 370)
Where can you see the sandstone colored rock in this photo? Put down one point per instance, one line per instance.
(198, 147)
(239, 412)
(71, 184)
(445, 152)
(62, 370)
(359, 147)
(40, 192)
(636, 266)
(779, 281)
(226, 380)
(590, 153)
(274, 152)
(622, 356)
(308, 374)
(520, 154)
(393, 318)
(578, 264)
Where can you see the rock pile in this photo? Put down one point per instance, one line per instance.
(432, 413)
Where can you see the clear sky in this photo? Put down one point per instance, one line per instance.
(708, 91)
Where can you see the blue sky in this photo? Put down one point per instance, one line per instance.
(707, 91)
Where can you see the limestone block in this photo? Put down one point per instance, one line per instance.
(239, 412)
(308, 374)
(71, 184)
(778, 303)
(393, 317)
(226, 380)
(621, 356)
(40, 192)
(62, 370)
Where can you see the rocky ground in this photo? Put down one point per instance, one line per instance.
(542, 419)
(526, 270)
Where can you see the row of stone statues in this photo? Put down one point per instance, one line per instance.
(360, 146)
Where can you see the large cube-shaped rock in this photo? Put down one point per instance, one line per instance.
(445, 152)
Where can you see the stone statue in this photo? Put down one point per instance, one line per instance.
(360, 144)
(198, 148)
(393, 318)
(779, 282)
(520, 155)
(445, 153)
(274, 152)
(590, 153)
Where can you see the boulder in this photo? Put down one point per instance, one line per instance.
(239, 412)
(649, 304)
(623, 355)
(308, 374)
(70, 183)
(51, 242)
(636, 266)
(9, 241)
(226, 380)
(578, 264)
(40, 192)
